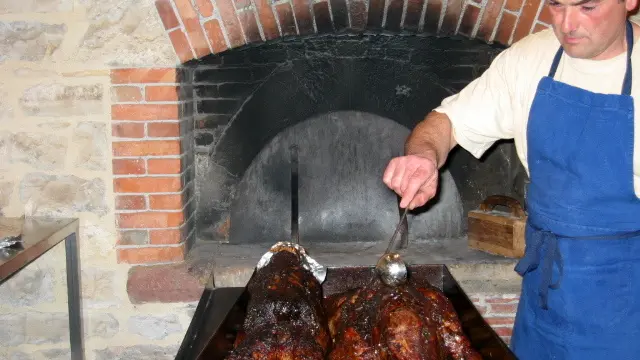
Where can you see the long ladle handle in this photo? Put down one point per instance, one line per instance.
(392, 242)
(295, 234)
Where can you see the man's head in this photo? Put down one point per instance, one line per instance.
(591, 29)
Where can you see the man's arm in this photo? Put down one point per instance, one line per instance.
(432, 137)
(415, 176)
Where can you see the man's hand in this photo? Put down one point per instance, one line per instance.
(414, 178)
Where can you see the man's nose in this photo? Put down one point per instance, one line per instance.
(569, 20)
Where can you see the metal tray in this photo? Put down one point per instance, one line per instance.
(220, 312)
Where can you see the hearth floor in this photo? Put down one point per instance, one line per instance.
(233, 263)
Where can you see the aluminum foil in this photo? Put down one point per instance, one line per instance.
(318, 271)
(10, 241)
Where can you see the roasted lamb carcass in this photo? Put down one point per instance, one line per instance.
(377, 322)
(285, 315)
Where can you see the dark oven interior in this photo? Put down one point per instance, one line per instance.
(348, 102)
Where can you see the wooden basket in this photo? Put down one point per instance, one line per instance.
(498, 232)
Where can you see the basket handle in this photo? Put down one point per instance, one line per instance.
(500, 200)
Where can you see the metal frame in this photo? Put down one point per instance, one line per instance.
(39, 236)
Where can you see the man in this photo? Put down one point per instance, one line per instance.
(565, 96)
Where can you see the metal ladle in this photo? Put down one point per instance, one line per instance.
(391, 269)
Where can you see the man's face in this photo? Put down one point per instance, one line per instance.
(591, 29)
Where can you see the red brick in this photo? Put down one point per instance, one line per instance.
(503, 331)
(412, 16)
(204, 7)
(196, 35)
(163, 283)
(231, 22)
(166, 202)
(303, 16)
(526, 19)
(152, 219)
(163, 129)
(505, 28)
(451, 16)
(267, 19)
(181, 45)
(144, 112)
(143, 148)
(164, 166)
(500, 320)
(145, 255)
(540, 27)
(216, 38)
(489, 19)
(250, 26)
(513, 5)
(167, 15)
(285, 15)
(128, 166)
(503, 308)
(131, 202)
(126, 94)
(323, 19)
(358, 11)
(432, 15)
(147, 184)
(168, 236)
(161, 93)
(508, 300)
(545, 14)
(185, 9)
(469, 19)
(143, 76)
(127, 130)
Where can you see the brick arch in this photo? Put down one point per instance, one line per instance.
(198, 28)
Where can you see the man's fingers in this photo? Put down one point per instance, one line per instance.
(389, 171)
(414, 183)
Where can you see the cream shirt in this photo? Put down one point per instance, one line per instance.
(496, 105)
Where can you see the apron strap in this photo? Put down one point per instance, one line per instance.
(532, 257)
(626, 84)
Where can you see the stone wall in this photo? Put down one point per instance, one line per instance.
(55, 143)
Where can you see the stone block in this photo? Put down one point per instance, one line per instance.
(38, 6)
(6, 189)
(34, 328)
(137, 352)
(6, 110)
(91, 140)
(62, 195)
(40, 150)
(28, 40)
(123, 33)
(103, 326)
(13, 332)
(55, 354)
(55, 99)
(154, 327)
(98, 288)
(28, 287)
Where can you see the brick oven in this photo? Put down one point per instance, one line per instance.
(184, 138)
(191, 140)
(168, 123)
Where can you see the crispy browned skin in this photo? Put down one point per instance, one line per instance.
(382, 323)
(285, 316)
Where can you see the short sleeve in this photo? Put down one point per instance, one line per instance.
(482, 112)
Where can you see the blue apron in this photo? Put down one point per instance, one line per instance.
(580, 294)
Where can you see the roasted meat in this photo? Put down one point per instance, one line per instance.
(377, 322)
(285, 316)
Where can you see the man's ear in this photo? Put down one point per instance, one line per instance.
(631, 5)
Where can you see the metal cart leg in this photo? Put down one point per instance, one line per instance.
(73, 297)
